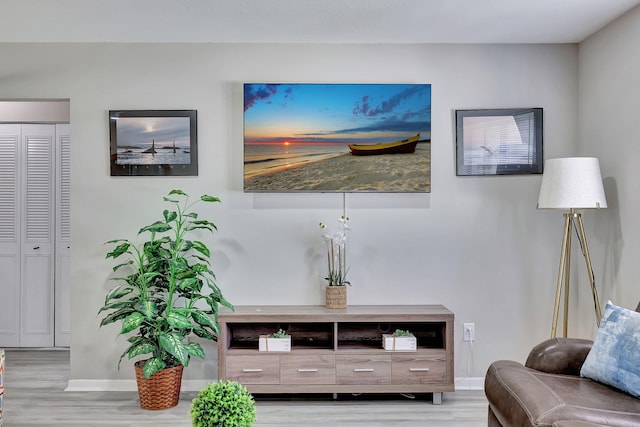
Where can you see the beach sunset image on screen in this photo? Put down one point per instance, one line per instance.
(337, 137)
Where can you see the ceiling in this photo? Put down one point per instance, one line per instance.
(307, 21)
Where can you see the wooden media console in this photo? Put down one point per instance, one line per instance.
(338, 350)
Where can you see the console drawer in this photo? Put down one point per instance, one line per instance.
(419, 368)
(363, 369)
(262, 369)
(307, 369)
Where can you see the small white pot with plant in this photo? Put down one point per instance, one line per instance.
(400, 340)
(277, 341)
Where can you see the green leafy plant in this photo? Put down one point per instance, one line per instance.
(169, 292)
(336, 253)
(401, 333)
(280, 333)
(223, 404)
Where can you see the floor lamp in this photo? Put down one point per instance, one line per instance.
(572, 184)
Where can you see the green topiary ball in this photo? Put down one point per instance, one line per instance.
(223, 404)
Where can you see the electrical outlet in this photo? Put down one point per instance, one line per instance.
(469, 332)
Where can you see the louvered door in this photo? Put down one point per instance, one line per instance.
(10, 236)
(63, 236)
(34, 179)
(38, 237)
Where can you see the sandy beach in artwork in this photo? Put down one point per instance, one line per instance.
(389, 172)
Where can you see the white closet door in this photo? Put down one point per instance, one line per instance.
(37, 264)
(63, 237)
(10, 235)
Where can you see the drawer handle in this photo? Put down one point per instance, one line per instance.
(252, 370)
(418, 369)
(307, 370)
(363, 370)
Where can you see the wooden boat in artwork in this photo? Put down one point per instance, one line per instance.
(397, 147)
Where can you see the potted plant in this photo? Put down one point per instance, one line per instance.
(400, 340)
(277, 341)
(336, 291)
(223, 404)
(168, 293)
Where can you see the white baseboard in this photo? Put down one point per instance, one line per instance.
(472, 383)
(125, 385)
(475, 383)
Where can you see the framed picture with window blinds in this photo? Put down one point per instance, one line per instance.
(499, 141)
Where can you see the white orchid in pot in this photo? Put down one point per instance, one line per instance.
(335, 291)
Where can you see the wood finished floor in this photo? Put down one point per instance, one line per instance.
(35, 396)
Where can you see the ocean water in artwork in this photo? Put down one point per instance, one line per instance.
(153, 155)
(259, 159)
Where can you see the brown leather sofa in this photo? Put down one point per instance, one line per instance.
(548, 391)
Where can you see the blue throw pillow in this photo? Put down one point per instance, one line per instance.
(614, 358)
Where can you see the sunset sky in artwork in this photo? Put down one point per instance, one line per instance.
(316, 114)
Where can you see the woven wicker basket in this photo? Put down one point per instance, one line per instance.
(335, 297)
(161, 390)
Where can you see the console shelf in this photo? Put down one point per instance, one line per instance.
(338, 350)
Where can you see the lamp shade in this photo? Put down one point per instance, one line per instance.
(572, 183)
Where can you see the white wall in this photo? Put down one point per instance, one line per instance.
(475, 244)
(609, 64)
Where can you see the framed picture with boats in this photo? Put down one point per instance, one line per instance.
(153, 142)
(504, 141)
(313, 137)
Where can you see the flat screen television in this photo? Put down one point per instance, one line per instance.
(310, 137)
